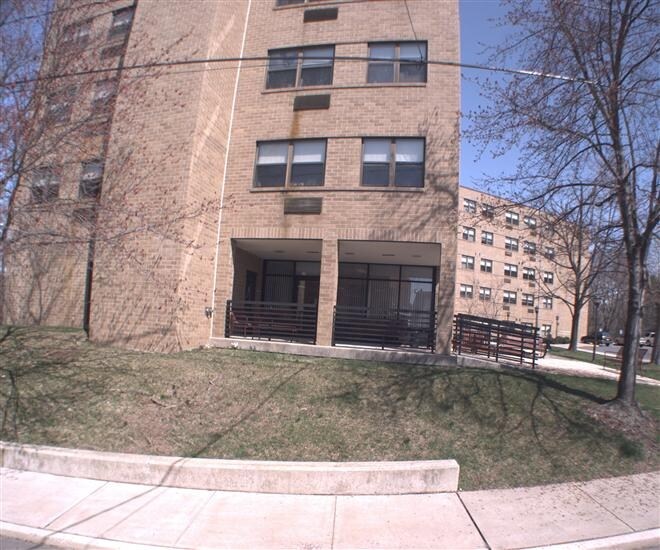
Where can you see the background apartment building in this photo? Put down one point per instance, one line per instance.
(505, 268)
(306, 192)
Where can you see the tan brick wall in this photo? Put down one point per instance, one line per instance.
(495, 308)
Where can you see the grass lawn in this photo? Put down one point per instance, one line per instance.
(648, 369)
(505, 427)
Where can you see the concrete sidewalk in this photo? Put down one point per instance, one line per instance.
(553, 363)
(75, 513)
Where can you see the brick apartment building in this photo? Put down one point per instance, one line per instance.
(306, 190)
(506, 270)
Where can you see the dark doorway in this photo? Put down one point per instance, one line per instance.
(250, 286)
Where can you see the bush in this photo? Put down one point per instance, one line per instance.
(562, 340)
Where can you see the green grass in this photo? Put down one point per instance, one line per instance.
(505, 427)
(648, 370)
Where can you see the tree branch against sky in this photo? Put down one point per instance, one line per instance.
(599, 133)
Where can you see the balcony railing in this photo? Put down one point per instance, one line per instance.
(271, 321)
(497, 339)
(392, 328)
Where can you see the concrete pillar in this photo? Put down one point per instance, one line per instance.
(224, 285)
(327, 291)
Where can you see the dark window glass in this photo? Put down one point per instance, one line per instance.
(353, 270)
(279, 267)
(90, 180)
(308, 269)
(271, 164)
(317, 66)
(417, 273)
(397, 62)
(412, 67)
(271, 175)
(352, 292)
(121, 22)
(384, 272)
(381, 64)
(376, 174)
(289, 2)
(409, 175)
(308, 164)
(45, 185)
(409, 170)
(282, 67)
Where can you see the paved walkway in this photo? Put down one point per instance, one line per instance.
(82, 513)
(554, 363)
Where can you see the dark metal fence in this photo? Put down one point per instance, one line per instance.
(497, 339)
(271, 320)
(393, 328)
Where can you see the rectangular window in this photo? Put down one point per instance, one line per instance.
(509, 297)
(529, 273)
(299, 67)
(486, 265)
(90, 179)
(466, 291)
(530, 222)
(547, 302)
(59, 105)
(511, 244)
(487, 238)
(511, 218)
(546, 330)
(397, 62)
(528, 299)
(484, 293)
(104, 94)
(467, 262)
(121, 22)
(45, 185)
(469, 206)
(487, 210)
(510, 270)
(468, 234)
(529, 247)
(398, 162)
(549, 252)
(548, 277)
(76, 35)
(296, 163)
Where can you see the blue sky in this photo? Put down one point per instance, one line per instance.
(477, 30)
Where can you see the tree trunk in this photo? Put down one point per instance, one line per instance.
(575, 329)
(632, 330)
(655, 355)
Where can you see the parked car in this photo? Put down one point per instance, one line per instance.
(648, 339)
(619, 340)
(604, 338)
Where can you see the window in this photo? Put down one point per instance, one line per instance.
(511, 218)
(469, 206)
(510, 270)
(104, 93)
(467, 262)
(511, 244)
(121, 22)
(59, 105)
(487, 238)
(529, 247)
(397, 62)
(529, 273)
(77, 35)
(487, 210)
(297, 163)
(294, 67)
(484, 293)
(509, 297)
(468, 234)
(486, 265)
(528, 299)
(547, 302)
(90, 180)
(549, 252)
(530, 222)
(548, 277)
(398, 162)
(546, 330)
(466, 291)
(45, 185)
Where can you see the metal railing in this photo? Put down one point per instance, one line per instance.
(392, 328)
(497, 339)
(271, 321)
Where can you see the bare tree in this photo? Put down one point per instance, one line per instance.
(586, 118)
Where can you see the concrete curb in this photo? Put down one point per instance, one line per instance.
(303, 478)
(633, 541)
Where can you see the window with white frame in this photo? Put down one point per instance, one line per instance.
(466, 291)
(510, 270)
(484, 293)
(527, 299)
(469, 206)
(509, 297)
(300, 67)
(295, 163)
(546, 330)
(512, 218)
(468, 234)
(397, 62)
(529, 247)
(511, 244)
(486, 265)
(529, 273)
(487, 238)
(393, 161)
(467, 262)
(530, 222)
(548, 277)
(547, 302)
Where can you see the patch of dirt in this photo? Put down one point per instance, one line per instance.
(632, 422)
